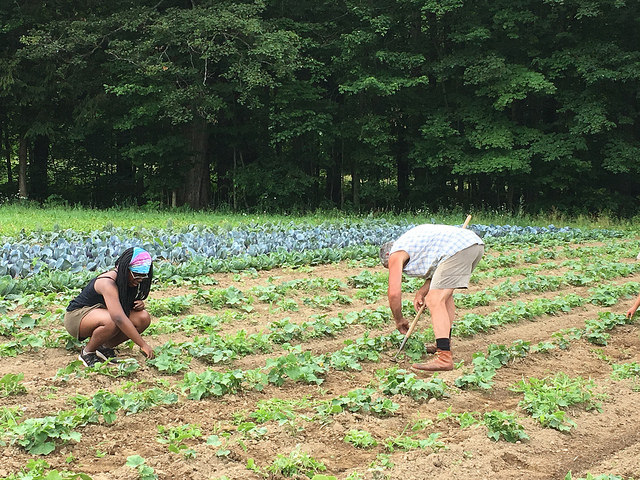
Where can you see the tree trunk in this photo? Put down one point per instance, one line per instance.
(125, 183)
(22, 173)
(402, 163)
(39, 168)
(333, 190)
(197, 188)
(233, 180)
(509, 194)
(7, 151)
(223, 165)
(355, 183)
(341, 175)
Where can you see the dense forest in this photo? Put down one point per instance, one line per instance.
(523, 105)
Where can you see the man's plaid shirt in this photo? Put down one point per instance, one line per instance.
(428, 245)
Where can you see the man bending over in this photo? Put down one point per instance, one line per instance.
(444, 256)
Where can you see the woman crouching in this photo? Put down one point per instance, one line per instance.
(110, 309)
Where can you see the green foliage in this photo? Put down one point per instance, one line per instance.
(395, 381)
(188, 324)
(298, 366)
(472, 323)
(170, 358)
(545, 398)
(465, 419)
(211, 383)
(604, 476)
(360, 439)
(330, 99)
(279, 410)
(403, 442)
(124, 368)
(174, 437)
(9, 417)
(296, 463)
(108, 403)
(38, 435)
(595, 330)
(484, 367)
(169, 306)
(360, 399)
(145, 472)
(10, 384)
(283, 331)
(251, 430)
(504, 425)
(230, 297)
(220, 441)
(41, 470)
(625, 370)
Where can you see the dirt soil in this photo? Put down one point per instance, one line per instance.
(603, 442)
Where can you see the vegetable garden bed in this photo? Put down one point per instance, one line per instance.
(285, 371)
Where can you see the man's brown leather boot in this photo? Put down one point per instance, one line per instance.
(431, 349)
(442, 362)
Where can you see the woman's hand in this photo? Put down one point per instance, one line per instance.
(147, 351)
(138, 305)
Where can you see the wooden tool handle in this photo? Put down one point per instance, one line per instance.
(412, 327)
(466, 222)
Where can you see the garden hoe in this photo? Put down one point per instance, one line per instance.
(412, 327)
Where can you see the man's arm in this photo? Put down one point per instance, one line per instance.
(418, 300)
(633, 309)
(394, 292)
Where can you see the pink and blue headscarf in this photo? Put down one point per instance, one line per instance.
(140, 261)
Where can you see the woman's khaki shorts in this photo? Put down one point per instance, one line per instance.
(72, 319)
(455, 271)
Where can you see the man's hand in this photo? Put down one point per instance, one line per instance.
(418, 301)
(402, 326)
(630, 312)
(138, 305)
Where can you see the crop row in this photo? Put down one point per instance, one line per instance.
(97, 250)
(49, 280)
(542, 398)
(173, 357)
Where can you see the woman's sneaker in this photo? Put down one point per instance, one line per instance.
(107, 354)
(89, 359)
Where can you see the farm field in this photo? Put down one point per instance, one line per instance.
(288, 371)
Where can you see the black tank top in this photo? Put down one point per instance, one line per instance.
(88, 297)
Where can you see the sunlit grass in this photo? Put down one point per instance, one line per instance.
(15, 218)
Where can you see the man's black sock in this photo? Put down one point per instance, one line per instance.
(443, 344)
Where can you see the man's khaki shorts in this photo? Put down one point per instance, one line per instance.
(455, 271)
(73, 318)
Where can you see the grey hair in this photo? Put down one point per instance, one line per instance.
(384, 253)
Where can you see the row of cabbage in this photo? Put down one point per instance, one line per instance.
(68, 250)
